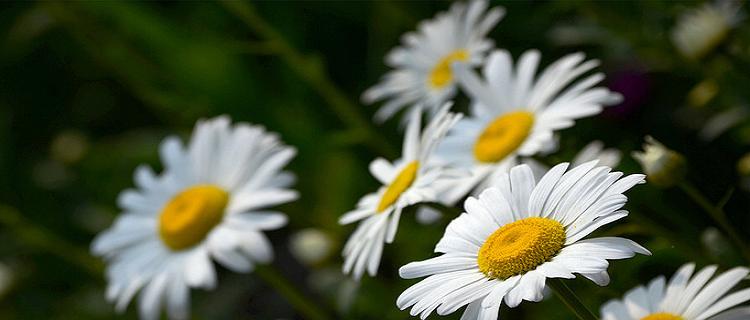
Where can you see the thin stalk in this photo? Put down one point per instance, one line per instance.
(718, 215)
(304, 305)
(311, 70)
(570, 299)
(43, 239)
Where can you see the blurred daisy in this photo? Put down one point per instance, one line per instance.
(515, 113)
(519, 233)
(205, 205)
(595, 150)
(683, 298)
(700, 30)
(409, 180)
(310, 246)
(423, 74)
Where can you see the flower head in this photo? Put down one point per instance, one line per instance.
(687, 296)
(664, 167)
(700, 30)
(422, 72)
(514, 112)
(517, 234)
(412, 179)
(206, 205)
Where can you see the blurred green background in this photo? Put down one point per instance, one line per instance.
(88, 89)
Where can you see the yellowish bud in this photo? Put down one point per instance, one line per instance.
(664, 167)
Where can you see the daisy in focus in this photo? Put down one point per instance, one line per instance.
(702, 29)
(515, 113)
(517, 234)
(687, 296)
(206, 205)
(412, 179)
(422, 72)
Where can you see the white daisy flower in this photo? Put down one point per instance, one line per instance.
(515, 113)
(407, 181)
(206, 205)
(423, 74)
(517, 234)
(685, 297)
(700, 30)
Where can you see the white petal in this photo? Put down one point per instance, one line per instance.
(472, 311)
(382, 170)
(257, 220)
(199, 271)
(245, 201)
(178, 299)
(544, 188)
(151, 298)
(522, 184)
(441, 264)
(529, 288)
(676, 285)
(730, 300)
(715, 289)
(495, 298)
(615, 310)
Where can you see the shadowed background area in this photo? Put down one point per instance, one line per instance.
(88, 89)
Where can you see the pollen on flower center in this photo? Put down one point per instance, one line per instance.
(442, 75)
(521, 246)
(402, 182)
(190, 215)
(662, 316)
(503, 135)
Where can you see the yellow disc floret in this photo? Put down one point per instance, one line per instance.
(190, 215)
(503, 135)
(662, 316)
(442, 75)
(520, 246)
(402, 182)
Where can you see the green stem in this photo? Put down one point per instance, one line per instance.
(570, 299)
(718, 215)
(298, 300)
(43, 239)
(311, 70)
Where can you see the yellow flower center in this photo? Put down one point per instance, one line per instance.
(519, 247)
(442, 75)
(190, 215)
(503, 136)
(662, 316)
(402, 182)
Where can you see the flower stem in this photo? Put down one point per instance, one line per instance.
(718, 215)
(311, 70)
(297, 299)
(570, 299)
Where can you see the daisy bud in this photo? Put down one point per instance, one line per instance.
(664, 167)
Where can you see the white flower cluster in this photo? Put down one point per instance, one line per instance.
(523, 223)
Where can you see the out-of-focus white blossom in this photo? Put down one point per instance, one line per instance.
(700, 30)
(310, 246)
